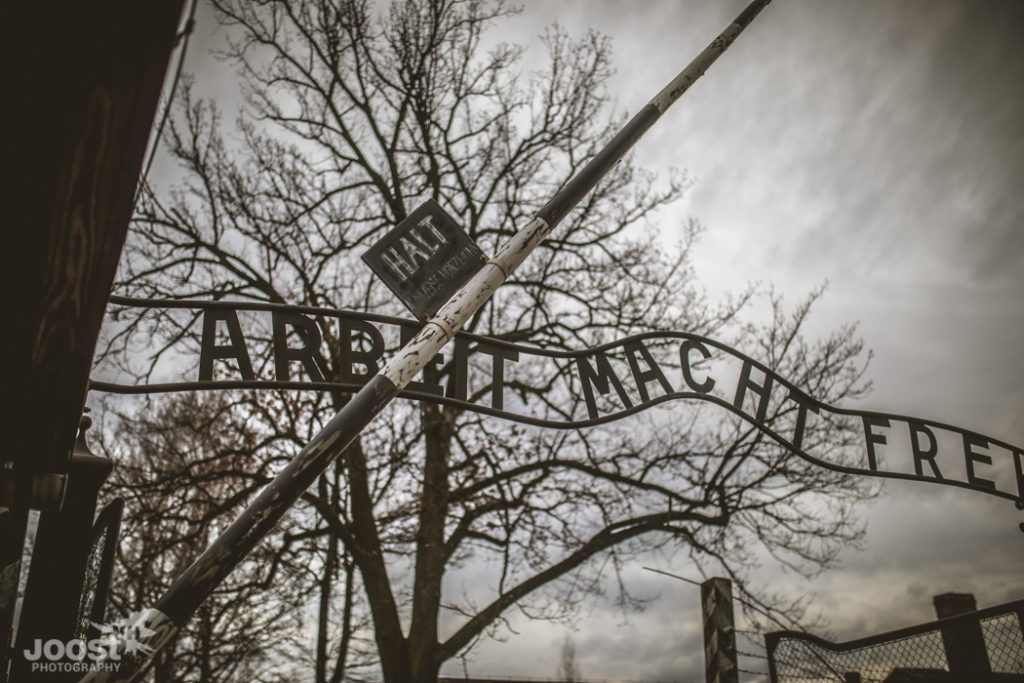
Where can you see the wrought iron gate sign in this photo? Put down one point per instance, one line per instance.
(262, 345)
(425, 258)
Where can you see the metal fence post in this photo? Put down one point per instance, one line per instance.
(771, 644)
(962, 638)
(720, 664)
(54, 590)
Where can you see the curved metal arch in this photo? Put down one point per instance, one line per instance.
(352, 387)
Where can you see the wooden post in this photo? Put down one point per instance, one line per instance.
(57, 571)
(82, 102)
(720, 665)
(962, 638)
(87, 97)
(13, 524)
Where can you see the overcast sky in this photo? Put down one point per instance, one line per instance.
(877, 145)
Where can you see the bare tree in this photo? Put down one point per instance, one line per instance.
(183, 468)
(568, 670)
(350, 119)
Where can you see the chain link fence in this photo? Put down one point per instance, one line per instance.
(982, 646)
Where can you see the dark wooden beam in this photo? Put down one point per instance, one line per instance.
(83, 88)
(88, 85)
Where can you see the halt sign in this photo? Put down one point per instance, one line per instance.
(425, 258)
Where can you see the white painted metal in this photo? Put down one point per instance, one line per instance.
(695, 69)
(415, 355)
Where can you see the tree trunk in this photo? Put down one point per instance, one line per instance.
(426, 671)
(369, 557)
(346, 622)
(430, 555)
(326, 586)
(205, 636)
(424, 649)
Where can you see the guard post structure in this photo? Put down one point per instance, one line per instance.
(962, 638)
(56, 576)
(720, 665)
(157, 625)
(88, 85)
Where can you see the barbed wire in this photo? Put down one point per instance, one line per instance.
(748, 671)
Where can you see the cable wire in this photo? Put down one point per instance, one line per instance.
(182, 36)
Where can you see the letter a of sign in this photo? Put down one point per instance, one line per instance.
(425, 258)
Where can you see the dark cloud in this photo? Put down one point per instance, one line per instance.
(878, 145)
